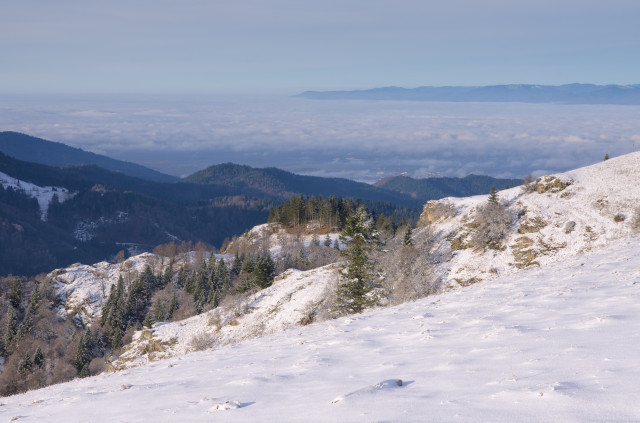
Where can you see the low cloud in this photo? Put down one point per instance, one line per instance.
(358, 140)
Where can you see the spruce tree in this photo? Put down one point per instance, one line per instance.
(173, 306)
(15, 295)
(236, 266)
(327, 241)
(358, 236)
(25, 365)
(10, 329)
(264, 271)
(408, 240)
(493, 195)
(38, 357)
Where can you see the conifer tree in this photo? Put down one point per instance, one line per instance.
(236, 266)
(35, 297)
(10, 329)
(408, 240)
(15, 295)
(358, 236)
(173, 306)
(38, 357)
(493, 195)
(264, 271)
(327, 241)
(83, 353)
(25, 365)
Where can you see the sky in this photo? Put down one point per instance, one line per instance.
(179, 86)
(286, 46)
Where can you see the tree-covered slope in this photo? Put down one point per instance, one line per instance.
(280, 183)
(440, 187)
(38, 150)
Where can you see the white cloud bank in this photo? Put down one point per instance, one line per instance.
(356, 139)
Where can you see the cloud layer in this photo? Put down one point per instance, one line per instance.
(360, 140)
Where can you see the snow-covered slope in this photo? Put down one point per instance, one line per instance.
(573, 213)
(44, 195)
(292, 300)
(84, 288)
(557, 343)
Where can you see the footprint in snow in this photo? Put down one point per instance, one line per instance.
(385, 385)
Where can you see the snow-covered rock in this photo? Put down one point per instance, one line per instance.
(573, 213)
(83, 289)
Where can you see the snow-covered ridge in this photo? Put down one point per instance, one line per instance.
(574, 212)
(44, 195)
(292, 300)
(557, 343)
(83, 289)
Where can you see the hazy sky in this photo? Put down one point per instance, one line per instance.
(285, 46)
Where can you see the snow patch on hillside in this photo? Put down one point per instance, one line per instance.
(292, 300)
(83, 289)
(44, 195)
(595, 208)
(558, 343)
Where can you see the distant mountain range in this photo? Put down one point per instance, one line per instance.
(112, 210)
(526, 93)
(37, 150)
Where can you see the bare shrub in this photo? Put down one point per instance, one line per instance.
(201, 341)
(528, 185)
(492, 222)
(409, 270)
(635, 221)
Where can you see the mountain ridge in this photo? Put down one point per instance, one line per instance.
(51, 153)
(527, 93)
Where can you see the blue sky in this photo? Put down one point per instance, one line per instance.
(286, 46)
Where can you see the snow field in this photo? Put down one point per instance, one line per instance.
(560, 343)
(44, 195)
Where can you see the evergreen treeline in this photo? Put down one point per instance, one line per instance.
(333, 212)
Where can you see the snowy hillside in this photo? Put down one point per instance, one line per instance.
(84, 288)
(293, 297)
(44, 195)
(559, 343)
(567, 215)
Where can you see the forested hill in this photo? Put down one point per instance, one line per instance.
(436, 188)
(280, 183)
(37, 150)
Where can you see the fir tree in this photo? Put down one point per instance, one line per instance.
(34, 301)
(606, 157)
(493, 195)
(10, 329)
(358, 236)
(15, 295)
(25, 365)
(38, 357)
(327, 241)
(236, 266)
(264, 271)
(83, 353)
(408, 240)
(336, 244)
(173, 306)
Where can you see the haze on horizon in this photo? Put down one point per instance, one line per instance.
(166, 71)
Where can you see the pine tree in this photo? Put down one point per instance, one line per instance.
(83, 353)
(336, 244)
(10, 329)
(34, 301)
(38, 358)
(493, 195)
(236, 266)
(15, 295)
(358, 236)
(25, 365)
(264, 271)
(408, 240)
(327, 241)
(173, 306)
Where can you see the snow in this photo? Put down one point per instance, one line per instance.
(559, 343)
(272, 310)
(596, 195)
(554, 342)
(44, 195)
(84, 288)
